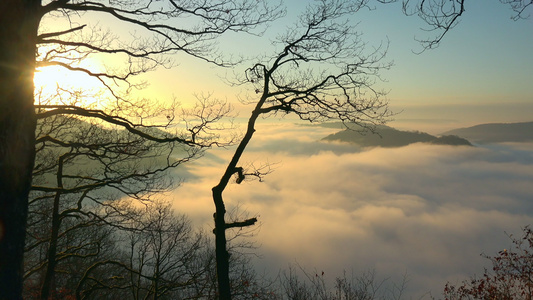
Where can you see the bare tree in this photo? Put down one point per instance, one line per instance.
(92, 166)
(313, 285)
(321, 72)
(166, 255)
(83, 168)
(162, 30)
(80, 243)
(443, 15)
(162, 257)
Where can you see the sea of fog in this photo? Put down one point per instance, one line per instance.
(421, 212)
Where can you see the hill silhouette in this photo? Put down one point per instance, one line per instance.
(384, 136)
(496, 132)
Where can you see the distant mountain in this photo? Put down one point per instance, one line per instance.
(385, 136)
(496, 132)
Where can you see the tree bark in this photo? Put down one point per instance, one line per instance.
(18, 32)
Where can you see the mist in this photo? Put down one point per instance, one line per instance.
(423, 212)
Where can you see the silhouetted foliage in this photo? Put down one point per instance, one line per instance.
(511, 276)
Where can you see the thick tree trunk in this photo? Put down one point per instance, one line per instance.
(18, 32)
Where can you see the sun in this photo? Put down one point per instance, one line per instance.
(61, 86)
(52, 76)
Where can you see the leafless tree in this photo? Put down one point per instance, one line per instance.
(79, 244)
(163, 27)
(443, 15)
(321, 72)
(82, 170)
(166, 255)
(81, 167)
(313, 285)
(84, 175)
(162, 258)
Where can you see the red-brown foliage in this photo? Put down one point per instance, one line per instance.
(511, 276)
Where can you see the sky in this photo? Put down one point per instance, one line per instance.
(423, 211)
(480, 73)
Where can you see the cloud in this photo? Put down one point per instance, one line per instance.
(424, 210)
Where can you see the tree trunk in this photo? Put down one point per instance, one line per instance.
(221, 252)
(18, 31)
(49, 277)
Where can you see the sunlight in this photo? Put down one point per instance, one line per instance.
(52, 76)
(60, 86)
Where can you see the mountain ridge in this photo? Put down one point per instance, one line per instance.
(496, 132)
(388, 137)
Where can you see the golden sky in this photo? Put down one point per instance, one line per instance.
(481, 72)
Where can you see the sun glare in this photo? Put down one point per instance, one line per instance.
(51, 77)
(53, 81)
